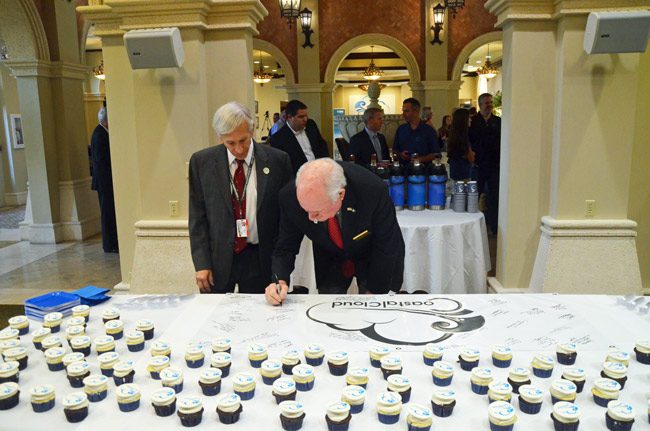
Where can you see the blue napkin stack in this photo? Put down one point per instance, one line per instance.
(63, 302)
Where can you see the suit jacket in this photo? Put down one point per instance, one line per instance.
(211, 218)
(285, 140)
(362, 148)
(100, 156)
(378, 257)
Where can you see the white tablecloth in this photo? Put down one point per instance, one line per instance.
(446, 252)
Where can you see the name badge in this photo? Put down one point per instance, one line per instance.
(242, 228)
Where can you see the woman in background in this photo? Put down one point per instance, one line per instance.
(459, 151)
(443, 132)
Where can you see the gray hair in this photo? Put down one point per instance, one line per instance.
(102, 115)
(370, 113)
(426, 113)
(325, 172)
(229, 117)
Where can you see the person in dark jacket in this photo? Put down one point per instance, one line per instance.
(370, 141)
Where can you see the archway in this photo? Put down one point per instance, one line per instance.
(471, 47)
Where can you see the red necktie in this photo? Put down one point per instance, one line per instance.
(240, 213)
(337, 238)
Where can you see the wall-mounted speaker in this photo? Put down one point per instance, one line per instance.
(617, 32)
(154, 48)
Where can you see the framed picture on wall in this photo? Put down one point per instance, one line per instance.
(17, 131)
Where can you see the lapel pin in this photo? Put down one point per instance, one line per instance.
(352, 210)
(266, 171)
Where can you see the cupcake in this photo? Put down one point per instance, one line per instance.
(501, 356)
(419, 418)
(314, 354)
(575, 375)
(442, 373)
(338, 416)
(618, 356)
(9, 344)
(357, 376)
(615, 371)
(146, 327)
(469, 358)
(480, 379)
(9, 372)
(54, 358)
(289, 359)
(619, 416)
(605, 390)
(96, 387)
(355, 396)
(53, 321)
(75, 407)
(443, 402)
(391, 364)
(389, 407)
(401, 385)
(221, 360)
(338, 363)
(104, 344)
(164, 401)
(432, 353)
(563, 390)
(156, 365)
(499, 391)
(518, 377)
(76, 321)
(271, 370)
(210, 381)
(243, 384)
(565, 416)
(566, 353)
(161, 348)
(42, 398)
(39, 335)
(9, 333)
(81, 311)
(501, 415)
(74, 331)
(81, 344)
(128, 397)
(221, 345)
(378, 352)
(51, 341)
(530, 399)
(257, 354)
(229, 408)
(642, 350)
(77, 372)
(109, 314)
(107, 361)
(114, 328)
(123, 372)
(284, 389)
(194, 356)
(134, 340)
(190, 411)
(172, 378)
(21, 323)
(543, 365)
(18, 354)
(303, 375)
(73, 357)
(292, 414)
(9, 394)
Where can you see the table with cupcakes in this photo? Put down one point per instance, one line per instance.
(337, 363)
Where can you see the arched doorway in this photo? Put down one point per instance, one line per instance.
(467, 65)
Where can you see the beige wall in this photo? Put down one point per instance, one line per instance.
(469, 90)
(268, 98)
(341, 97)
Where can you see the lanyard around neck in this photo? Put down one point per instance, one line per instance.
(240, 199)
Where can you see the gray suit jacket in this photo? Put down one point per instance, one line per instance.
(211, 219)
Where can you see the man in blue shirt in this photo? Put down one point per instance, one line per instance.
(415, 136)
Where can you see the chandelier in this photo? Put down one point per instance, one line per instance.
(364, 87)
(290, 9)
(259, 76)
(99, 71)
(487, 69)
(372, 72)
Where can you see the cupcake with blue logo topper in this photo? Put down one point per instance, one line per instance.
(419, 417)
(9, 395)
(518, 377)
(53, 321)
(51, 341)
(642, 351)
(194, 356)
(164, 402)
(9, 344)
(480, 379)
(565, 416)
(210, 381)
(576, 375)
(355, 396)
(73, 357)
(314, 354)
(104, 344)
(190, 411)
(54, 358)
(618, 355)
(76, 321)
(443, 402)
(292, 414)
(134, 340)
(566, 353)
(123, 372)
(39, 335)
(128, 397)
(223, 361)
(391, 364)
(432, 353)
(77, 372)
(172, 378)
(619, 416)
(338, 416)
(161, 348)
(257, 353)
(96, 387)
(615, 371)
(542, 365)
(9, 372)
(338, 363)
(605, 390)
(469, 358)
(110, 313)
(229, 408)
(222, 344)
(378, 352)
(271, 370)
(357, 376)
(107, 361)
(284, 389)
(304, 377)
(75, 407)
(501, 356)
(81, 344)
(145, 326)
(290, 359)
(42, 398)
(82, 311)
(563, 390)
(18, 354)
(389, 407)
(499, 391)
(442, 373)
(74, 331)
(243, 384)
(21, 323)
(530, 399)
(401, 385)
(9, 333)
(501, 415)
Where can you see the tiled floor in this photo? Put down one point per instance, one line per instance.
(11, 216)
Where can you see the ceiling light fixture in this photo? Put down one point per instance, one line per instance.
(372, 72)
(453, 6)
(487, 69)
(260, 76)
(99, 71)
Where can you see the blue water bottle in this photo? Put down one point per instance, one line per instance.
(437, 182)
(397, 185)
(417, 187)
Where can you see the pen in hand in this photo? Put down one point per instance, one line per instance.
(278, 289)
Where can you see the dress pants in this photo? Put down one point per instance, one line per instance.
(245, 271)
(109, 225)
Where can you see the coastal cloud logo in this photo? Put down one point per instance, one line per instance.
(398, 322)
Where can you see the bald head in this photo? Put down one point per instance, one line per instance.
(320, 188)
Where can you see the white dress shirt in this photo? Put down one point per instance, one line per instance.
(251, 192)
(303, 140)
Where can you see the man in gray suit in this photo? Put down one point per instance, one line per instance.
(233, 208)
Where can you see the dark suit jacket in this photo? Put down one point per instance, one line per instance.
(285, 140)
(362, 148)
(378, 257)
(211, 219)
(100, 155)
